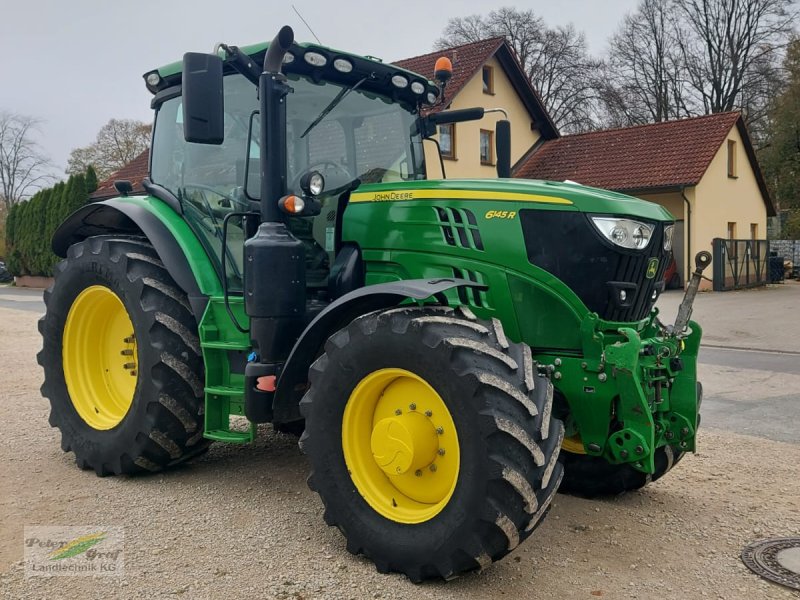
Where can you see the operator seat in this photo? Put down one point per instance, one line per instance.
(347, 270)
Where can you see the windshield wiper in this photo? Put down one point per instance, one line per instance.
(334, 103)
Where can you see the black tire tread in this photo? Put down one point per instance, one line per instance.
(170, 421)
(512, 402)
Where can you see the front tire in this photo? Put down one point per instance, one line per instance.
(431, 440)
(122, 361)
(593, 476)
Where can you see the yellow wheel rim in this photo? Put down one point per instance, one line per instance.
(99, 357)
(573, 444)
(400, 445)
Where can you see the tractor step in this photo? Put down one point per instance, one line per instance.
(226, 346)
(232, 437)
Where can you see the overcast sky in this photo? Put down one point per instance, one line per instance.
(75, 64)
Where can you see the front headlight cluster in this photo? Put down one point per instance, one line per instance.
(625, 233)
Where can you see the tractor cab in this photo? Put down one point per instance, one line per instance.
(349, 120)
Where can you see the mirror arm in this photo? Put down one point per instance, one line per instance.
(241, 63)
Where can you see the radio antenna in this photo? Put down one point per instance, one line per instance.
(306, 24)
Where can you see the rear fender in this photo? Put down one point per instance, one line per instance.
(176, 244)
(293, 380)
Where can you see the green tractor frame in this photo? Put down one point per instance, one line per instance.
(451, 352)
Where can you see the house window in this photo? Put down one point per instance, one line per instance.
(731, 158)
(753, 231)
(731, 230)
(487, 156)
(447, 140)
(488, 80)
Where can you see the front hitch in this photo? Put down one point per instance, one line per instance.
(701, 260)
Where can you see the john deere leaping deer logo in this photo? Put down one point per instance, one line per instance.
(652, 268)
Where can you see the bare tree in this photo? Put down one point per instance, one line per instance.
(23, 166)
(556, 60)
(118, 143)
(646, 73)
(727, 46)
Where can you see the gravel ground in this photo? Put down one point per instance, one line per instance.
(240, 522)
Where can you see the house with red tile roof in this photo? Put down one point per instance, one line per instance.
(703, 170)
(135, 171)
(485, 73)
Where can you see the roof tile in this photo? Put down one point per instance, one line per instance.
(134, 171)
(466, 59)
(666, 154)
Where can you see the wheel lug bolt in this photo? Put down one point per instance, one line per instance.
(439, 430)
(398, 412)
(428, 413)
(412, 406)
(418, 473)
(624, 454)
(685, 431)
(639, 450)
(133, 373)
(441, 451)
(432, 468)
(129, 340)
(126, 352)
(129, 366)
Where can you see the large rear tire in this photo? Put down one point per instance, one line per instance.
(431, 440)
(122, 361)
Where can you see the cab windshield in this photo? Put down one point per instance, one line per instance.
(363, 136)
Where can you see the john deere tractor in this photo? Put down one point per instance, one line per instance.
(436, 343)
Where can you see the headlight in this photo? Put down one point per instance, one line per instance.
(624, 232)
(312, 183)
(668, 230)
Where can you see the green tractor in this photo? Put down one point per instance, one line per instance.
(450, 352)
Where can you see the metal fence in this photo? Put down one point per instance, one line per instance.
(740, 264)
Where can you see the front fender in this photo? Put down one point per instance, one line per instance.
(294, 377)
(173, 240)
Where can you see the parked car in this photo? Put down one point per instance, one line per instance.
(672, 279)
(5, 276)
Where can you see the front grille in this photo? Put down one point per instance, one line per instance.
(567, 245)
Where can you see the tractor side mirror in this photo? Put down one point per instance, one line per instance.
(203, 103)
(503, 147)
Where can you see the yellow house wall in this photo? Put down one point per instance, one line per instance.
(467, 163)
(722, 199)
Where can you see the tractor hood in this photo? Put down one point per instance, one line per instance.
(543, 194)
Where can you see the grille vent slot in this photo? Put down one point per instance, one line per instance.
(459, 227)
(471, 296)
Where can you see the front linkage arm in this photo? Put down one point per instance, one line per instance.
(657, 383)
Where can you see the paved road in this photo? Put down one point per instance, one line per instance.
(754, 392)
(21, 299)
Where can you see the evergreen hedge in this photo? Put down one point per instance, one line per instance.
(30, 225)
